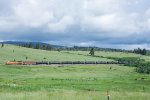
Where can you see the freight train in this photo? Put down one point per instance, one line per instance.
(60, 62)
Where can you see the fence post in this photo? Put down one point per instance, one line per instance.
(108, 96)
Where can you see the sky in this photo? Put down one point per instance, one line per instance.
(123, 24)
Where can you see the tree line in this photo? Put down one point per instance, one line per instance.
(45, 46)
(140, 51)
(38, 46)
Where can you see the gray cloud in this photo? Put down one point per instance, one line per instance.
(82, 22)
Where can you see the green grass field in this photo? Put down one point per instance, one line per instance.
(20, 54)
(106, 54)
(72, 82)
(68, 82)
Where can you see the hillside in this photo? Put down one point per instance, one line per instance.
(11, 52)
(69, 82)
(107, 54)
(21, 43)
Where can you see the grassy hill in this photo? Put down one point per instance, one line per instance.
(107, 54)
(11, 52)
(72, 82)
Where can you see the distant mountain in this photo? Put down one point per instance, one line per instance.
(21, 43)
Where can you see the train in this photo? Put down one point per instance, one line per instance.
(60, 62)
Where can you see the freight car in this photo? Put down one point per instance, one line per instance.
(29, 62)
(42, 63)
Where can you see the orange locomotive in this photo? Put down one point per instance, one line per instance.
(14, 63)
(20, 63)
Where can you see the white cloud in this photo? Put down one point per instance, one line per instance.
(93, 18)
(31, 13)
(7, 24)
(113, 24)
(62, 25)
(94, 15)
(126, 46)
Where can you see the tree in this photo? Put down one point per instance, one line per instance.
(26, 45)
(44, 47)
(37, 46)
(30, 45)
(143, 67)
(140, 51)
(48, 47)
(26, 57)
(58, 50)
(92, 52)
(2, 45)
(144, 52)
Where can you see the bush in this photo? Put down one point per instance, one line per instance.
(144, 68)
(26, 57)
(141, 64)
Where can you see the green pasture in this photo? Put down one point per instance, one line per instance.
(106, 54)
(69, 82)
(11, 53)
(77, 82)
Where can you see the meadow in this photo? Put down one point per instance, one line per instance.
(11, 53)
(107, 54)
(68, 82)
(78, 82)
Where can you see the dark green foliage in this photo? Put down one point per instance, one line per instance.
(92, 52)
(143, 67)
(129, 61)
(48, 47)
(26, 45)
(37, 46)
(26, 57)
(44, 47)
(30, 45)
(2, 45)
(58, 50)
(140, 51)
(144, 52)
(80, 48)
(44, 58)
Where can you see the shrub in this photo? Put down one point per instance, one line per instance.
(143, 68)
(141, 64)
(26, 57)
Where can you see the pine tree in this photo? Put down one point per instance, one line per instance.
(44, 47)
(92, 52)
(2, 45)
(144, 52)
(37, 46)
(48, 47)
(30, 45)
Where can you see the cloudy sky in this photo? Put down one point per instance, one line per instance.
(104, 23)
